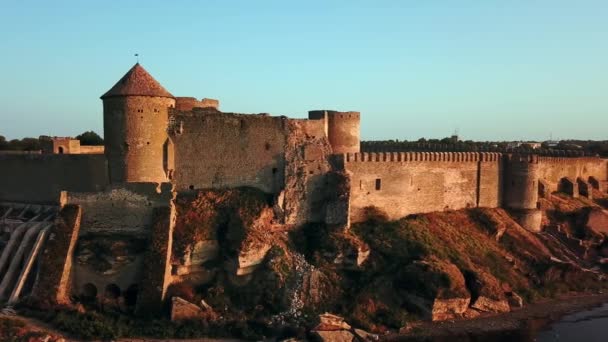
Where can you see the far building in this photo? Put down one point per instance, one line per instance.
(67, 145)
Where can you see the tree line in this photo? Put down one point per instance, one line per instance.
(35, 144)
(582, 147)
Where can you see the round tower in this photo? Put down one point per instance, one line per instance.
(135, 118)
(342, 129)
(521, 190)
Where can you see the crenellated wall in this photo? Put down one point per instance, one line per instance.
(403, 183)
(553, 169)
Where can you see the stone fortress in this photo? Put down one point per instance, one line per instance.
(158, 146)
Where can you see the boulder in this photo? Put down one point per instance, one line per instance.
(335, 335)
(597, 220)
(487, 304)
(182, 309)
(333, 328)
(451, 308)
(436, 287)
(329, 321)
(488, 294)
(366, 336)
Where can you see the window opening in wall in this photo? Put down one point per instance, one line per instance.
(191, 187)
(361, 184)
(378, 184)
(60, 150)
(274, 170)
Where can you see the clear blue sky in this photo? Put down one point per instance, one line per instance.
(494, 69)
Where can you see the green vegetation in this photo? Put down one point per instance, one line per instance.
(90, 138)
(35, 144)
(25, 144)
(109, 325)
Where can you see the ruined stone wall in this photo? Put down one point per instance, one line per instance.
(523, 173)
(406, 183)
(341, 128)
(115, 232)
(553, 169)
(56, 261)
(135, 136)
(189, 103)
(307, 166)
(39, 178)
(84, 149)
(214, 150)
(121, 209)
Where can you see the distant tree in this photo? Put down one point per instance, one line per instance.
(90, 138)
(30, 144)
(3, 143)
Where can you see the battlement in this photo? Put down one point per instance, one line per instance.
(536, 159)
(322, 114)
(568, 160)
(422, 157)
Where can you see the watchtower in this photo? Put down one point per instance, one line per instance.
(135, 117)
(342, 129)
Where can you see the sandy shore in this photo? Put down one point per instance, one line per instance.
(520, 324)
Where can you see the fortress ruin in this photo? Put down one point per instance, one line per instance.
(158, 146)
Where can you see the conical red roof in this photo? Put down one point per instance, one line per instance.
(137, 82)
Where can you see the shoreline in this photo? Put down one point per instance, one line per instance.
(519, 323)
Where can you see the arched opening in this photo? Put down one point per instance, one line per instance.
(131, 295)
(112, 291)
(594, 183)
(584, 188)
(541, 190)
(89, 293)
(568, 186)
(60, 150)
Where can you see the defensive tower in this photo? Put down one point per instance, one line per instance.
(521, 190)
(342, 129)
(135, 117)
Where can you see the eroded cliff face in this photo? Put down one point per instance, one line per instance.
(230, 251)
(234, 260)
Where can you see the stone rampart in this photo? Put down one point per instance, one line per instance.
(214, 150)
(402, 183)
(39, 178)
